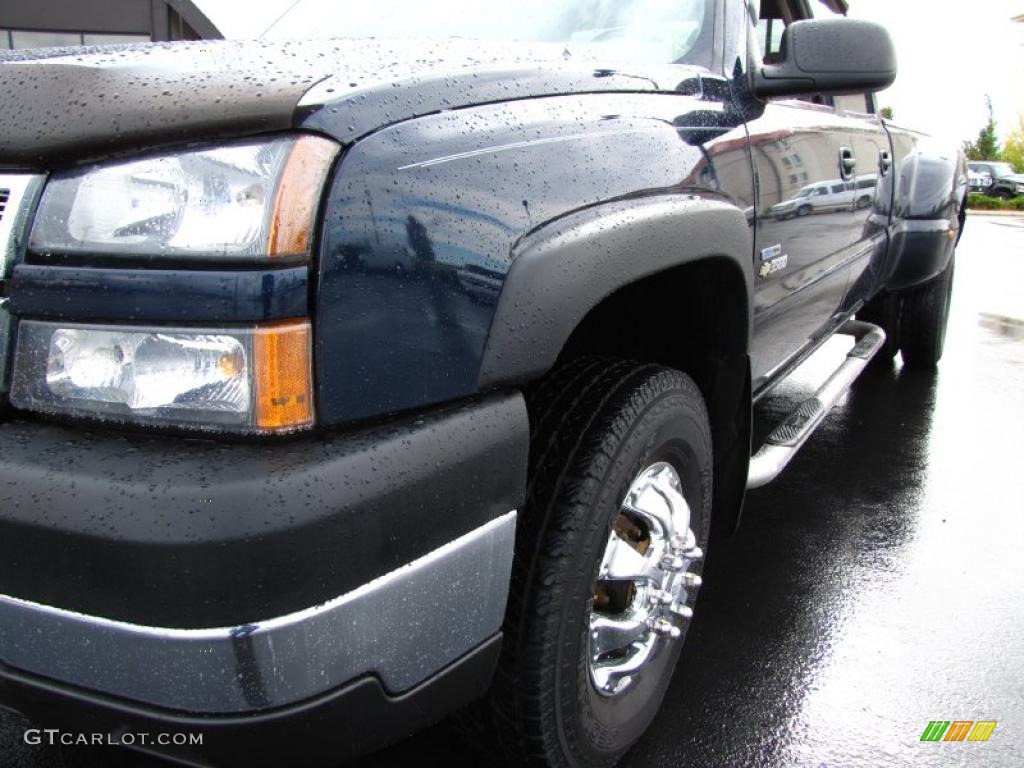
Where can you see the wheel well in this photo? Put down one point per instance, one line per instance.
(693, 318)
(685, 318)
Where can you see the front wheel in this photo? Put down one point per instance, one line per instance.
(607, 564)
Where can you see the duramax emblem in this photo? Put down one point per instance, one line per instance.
(772, 260)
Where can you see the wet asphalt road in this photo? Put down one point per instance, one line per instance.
(877, 585)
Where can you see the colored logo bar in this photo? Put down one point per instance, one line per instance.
(958, 730)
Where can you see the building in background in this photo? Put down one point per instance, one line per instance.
(45, 23)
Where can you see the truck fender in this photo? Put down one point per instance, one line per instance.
(565, 269)
(928, 215)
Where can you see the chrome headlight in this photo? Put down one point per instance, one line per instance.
(247, 199)
(245, 380)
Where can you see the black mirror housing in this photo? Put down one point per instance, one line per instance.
(829, 56)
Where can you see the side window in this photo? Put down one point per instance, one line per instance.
(773, 18)
(771, 23)
(854, 102)
(838, 188)
(769, 35)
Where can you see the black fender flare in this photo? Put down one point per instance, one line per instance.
(561, 271)
(928, 215)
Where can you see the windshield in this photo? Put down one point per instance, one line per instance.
(640, 31)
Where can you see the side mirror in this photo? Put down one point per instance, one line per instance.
(829, 56)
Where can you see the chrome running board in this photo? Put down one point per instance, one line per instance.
(789, 437)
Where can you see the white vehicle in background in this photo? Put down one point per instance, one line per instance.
(828, 196)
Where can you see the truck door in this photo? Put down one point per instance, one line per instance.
(804, 247)
(871, 190)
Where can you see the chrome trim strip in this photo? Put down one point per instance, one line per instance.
(402, 627)
(22, 188)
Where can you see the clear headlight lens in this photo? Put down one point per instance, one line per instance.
(149, 370)
(249, 199)
(251, 380)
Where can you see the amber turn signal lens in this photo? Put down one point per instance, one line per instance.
(298, 196)
(283, 375)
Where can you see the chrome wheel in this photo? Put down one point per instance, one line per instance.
(644, 582)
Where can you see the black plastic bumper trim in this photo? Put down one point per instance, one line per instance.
(343, 724)
(175, 532)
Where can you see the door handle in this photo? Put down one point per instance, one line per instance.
(847, 163)
(884, 161)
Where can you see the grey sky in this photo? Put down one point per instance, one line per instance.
(951, 54)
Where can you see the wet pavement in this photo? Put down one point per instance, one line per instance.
(878, 584)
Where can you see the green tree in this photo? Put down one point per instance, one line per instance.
(886, 112)
(986, 146)
(1013, 150)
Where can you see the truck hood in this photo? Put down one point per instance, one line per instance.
(71, 104)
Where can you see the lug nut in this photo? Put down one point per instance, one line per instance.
(684, 611)
(664, 627)
(661, 597)
(692, 579)
(672, 563)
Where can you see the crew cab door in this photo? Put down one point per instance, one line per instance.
(870, 190)
(804, 246)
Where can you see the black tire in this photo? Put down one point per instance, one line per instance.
(924, 319)
(597, 423)
(1002, 194)
(803, 210)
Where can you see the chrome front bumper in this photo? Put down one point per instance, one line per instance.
(401, 627)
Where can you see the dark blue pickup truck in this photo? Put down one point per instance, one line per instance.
(347, 384)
